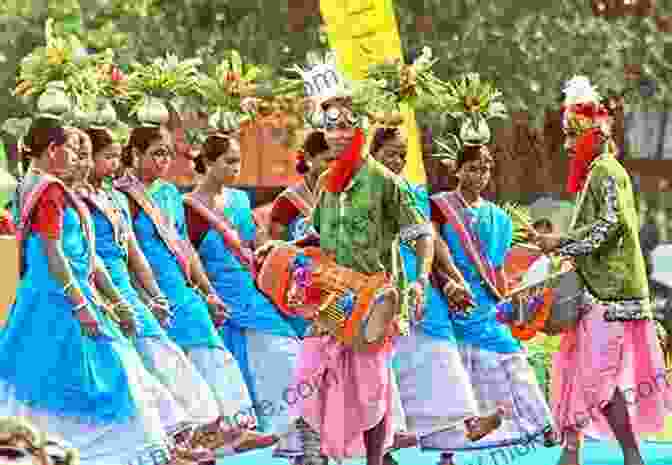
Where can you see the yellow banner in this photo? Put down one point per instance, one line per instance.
(362, 32)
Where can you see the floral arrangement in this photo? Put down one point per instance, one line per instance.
(473, 102)
(391, 83)
(229, 93)
(62, 64)
(162, 81)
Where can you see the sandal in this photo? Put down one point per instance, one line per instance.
(251, 440)
(479, 427)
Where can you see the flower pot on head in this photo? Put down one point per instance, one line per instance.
(104, 116)
(475, 131)
(54, 101)
(153, 112)
(225, 121)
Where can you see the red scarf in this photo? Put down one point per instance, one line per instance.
(579, 165)
(344, 167)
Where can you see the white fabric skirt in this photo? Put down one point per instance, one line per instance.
(169, 364)
(505, 381)
(272, 362)
(222, 374)
(141, 440)
(435, 390)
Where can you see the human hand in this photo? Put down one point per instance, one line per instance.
(126, 315)
(219, 311)
(458, 296)
(548, 243)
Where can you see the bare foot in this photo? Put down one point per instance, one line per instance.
(404, 441)
(569, 457)
(251, 440)
(446, 459)
(478, 428)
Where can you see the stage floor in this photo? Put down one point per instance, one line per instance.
(596, 453)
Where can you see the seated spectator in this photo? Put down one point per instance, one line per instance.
(60, 453)
(21, 443)
(544, 226)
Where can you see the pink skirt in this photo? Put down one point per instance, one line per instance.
(342, 395)
(598, 356)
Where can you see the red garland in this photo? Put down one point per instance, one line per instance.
(344, 167)
(584, 155)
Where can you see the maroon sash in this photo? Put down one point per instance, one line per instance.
(456, 215)
(136, 191)
(226, 230)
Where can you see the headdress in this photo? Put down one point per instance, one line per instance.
(471, 102)
(61, 78)
(375, 99)
(582, 108)
(163, 83)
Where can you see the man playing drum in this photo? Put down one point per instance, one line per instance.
(362, 209)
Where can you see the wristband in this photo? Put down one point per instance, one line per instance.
(78, 308)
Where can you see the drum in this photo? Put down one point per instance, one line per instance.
(548, 302)
(9, 250)
(356, 308)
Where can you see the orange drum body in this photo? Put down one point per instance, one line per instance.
(356, 308)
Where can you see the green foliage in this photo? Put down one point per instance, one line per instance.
(526, 48)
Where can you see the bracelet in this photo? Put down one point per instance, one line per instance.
(79, 307)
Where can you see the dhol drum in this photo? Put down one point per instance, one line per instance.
(544, 298)
(356, 308)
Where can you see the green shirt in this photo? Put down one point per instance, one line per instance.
(360, 225)
(604, 239)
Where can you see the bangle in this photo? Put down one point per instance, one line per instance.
(68, 286)
(79, 307)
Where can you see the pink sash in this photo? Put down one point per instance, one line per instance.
(136, 191)
(32, 189)
(229, 234)
(455, 213)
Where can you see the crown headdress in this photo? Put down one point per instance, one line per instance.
(582, 108)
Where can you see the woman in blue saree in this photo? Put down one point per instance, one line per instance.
(222, 230)
(157, 212)
(293, 207)
(63, 362)
(428, 358)
(476, 237)
(117, 246)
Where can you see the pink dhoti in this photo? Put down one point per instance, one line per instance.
(597, 357)
(350, 393)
